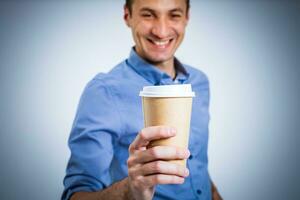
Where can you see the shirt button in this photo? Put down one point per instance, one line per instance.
(199, 192)
(191, 157)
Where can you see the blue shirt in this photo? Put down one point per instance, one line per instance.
(109, 117)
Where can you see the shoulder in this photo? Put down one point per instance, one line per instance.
(200, 85)
(197, 76)
(120, 82)
(106, 80)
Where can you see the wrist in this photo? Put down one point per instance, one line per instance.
(129, 192)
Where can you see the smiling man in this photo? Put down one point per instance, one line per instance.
(109, 159)
(158, 29)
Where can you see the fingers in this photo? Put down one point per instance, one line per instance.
(159, 153)
(163, 167)
(163, 179)
(156, 179)
(149, 167)
(151, 133)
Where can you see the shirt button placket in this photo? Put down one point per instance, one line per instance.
(196, 177)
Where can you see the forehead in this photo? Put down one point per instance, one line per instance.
(159, 5)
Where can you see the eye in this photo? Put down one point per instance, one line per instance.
(176, 16)
(146, 15)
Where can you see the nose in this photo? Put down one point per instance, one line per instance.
(161, 28)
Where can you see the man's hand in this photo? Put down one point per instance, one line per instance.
(149, 167)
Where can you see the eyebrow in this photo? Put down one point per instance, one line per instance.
(177, 10)
(146, 9)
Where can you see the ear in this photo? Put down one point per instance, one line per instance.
(187, 17)
(188, 14)
(126, 16)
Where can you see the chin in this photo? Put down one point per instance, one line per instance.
(158, 59)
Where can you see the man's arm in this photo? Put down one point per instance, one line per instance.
(147, 167)
(215, 194)
(119, 190)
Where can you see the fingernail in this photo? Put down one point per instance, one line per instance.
(173, 131)
(184, 154)
(186, 172)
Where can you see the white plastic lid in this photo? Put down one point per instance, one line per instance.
(183, 90)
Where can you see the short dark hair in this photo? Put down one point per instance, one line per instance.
(129, 3)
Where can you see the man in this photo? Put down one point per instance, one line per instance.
(109, 158)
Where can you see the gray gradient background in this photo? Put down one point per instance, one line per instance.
(249, 49)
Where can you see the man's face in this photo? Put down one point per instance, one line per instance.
(158, 27)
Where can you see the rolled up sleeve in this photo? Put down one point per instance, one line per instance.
(91, 140)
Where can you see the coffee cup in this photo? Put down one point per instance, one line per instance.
(169, 105)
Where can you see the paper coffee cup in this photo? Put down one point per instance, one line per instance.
(169, 105)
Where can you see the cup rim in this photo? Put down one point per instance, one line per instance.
(178, 90)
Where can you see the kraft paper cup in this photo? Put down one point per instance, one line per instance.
(169, 105)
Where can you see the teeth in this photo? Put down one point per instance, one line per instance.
(161, 43)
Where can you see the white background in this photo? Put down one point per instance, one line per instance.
(250, 50)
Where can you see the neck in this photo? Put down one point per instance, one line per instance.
(167, 67)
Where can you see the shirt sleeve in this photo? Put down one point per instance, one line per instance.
(90, 142)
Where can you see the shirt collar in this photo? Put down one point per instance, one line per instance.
(153, 74)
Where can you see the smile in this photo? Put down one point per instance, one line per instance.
(160, 43)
